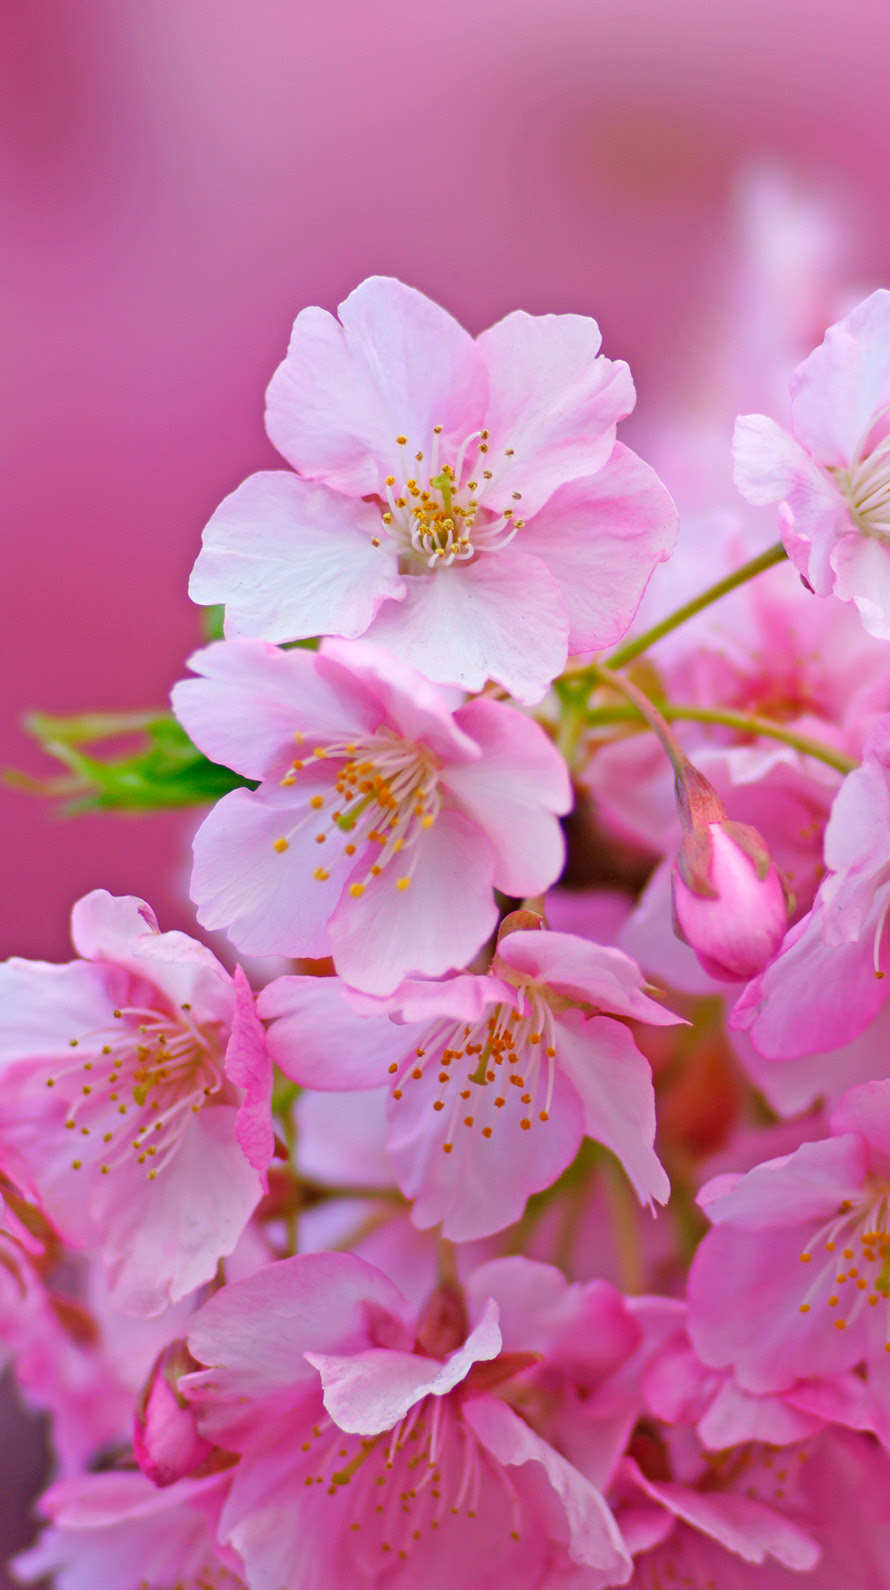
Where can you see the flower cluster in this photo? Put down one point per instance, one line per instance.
(519, 1213)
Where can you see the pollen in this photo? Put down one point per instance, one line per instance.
(321, 875)
(356, 890)
(402, 884)
(280, 845)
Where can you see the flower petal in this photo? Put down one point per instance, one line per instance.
(291, 559)
(395, 364)
(601, 538)
(500, 618)
(553, 399)
(614, 1084)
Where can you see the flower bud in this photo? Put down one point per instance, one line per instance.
(729, 902)
(165, 1434)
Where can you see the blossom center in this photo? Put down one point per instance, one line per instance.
(866, 485)
(851, 1258)
(136, 1085)
(384, 794)
(400, 1486)
(512, 1068)
(445, 520)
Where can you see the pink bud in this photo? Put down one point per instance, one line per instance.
(165, 1435)
(729, 903)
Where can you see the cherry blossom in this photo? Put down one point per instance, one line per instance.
(382, 840)
(463, 504)
(494, 1080)
(377, 1445)
(793, 1281)
(827, 983)
(831, 476)
(135, 1106)
(116, 1530)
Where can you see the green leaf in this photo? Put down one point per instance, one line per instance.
(164, 769)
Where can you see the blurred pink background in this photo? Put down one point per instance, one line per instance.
(178, 179)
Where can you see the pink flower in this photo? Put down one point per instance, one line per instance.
(832, 475)
(462, 503)
(729, 904)
(826, 985)
(793, 1281)
(383, 841)
(752, 1518)
(135, 1106)
(381, 1447)
(115, 1531)
(494, 1080)
(678, 1388)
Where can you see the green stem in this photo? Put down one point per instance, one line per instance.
(647, 709)
(634, 648)
(625, 1227)
(745, 723)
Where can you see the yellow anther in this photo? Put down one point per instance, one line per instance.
(356, 890)
(403, 883)
(280, 845)
(317, 802)
(321, 875)
(804, 1308)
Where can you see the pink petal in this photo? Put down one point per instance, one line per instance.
(123, 931)
(838, 391)
(741, 1524)
(614, 1083)
(807, 1185)
(745, 1292)
(367, 1393)
(500, 618)
(45, 1006)
(596, 974)
(396, 364)
(253, 698)
(320, 1041)
(813, 998)
(552, 400)
(290, 559)
(513, 794)
(249, 1065)
(416, 709)
(862, 566)
(593, 1536)
(482, 1184)
(433, 926)
(164, 1238)
(736, 1417)
(865, 1111)
(768, 464)
(601, 538)
(268, 900)
(255, 1334)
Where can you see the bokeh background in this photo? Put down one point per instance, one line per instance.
(178, 178)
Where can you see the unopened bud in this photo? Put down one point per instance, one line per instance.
(729, 902)
(165, 1434)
